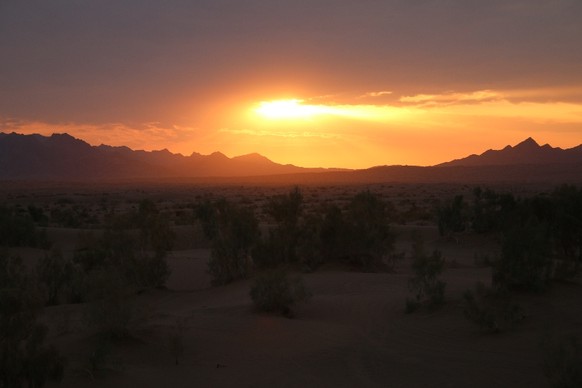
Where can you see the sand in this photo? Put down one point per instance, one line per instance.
(353, 333)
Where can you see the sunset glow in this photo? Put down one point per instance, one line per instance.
(364, 87)
(287, 109)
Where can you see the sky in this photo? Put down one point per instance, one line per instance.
(330, 83)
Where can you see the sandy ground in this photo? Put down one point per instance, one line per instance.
(353, 333)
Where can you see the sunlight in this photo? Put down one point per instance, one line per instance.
(287, 109)
(295, 109)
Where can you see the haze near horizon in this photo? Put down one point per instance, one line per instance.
(319, 83)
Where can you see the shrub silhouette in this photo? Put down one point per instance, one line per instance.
(109, 307)
(276, 291)
(451, 216)
(176, 340)
(491, 310)
(525, 261)
(425, 284)
(233, 231)
(133, 245)
(17, 229)
(282, 242)
(562, 361)
(56, 273)
(368, 236)
(360, 235)
(24, 356)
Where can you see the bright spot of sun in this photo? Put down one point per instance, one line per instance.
(295, 109)
(288, 109)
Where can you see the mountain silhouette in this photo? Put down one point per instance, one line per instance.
(61, 157)
(526, 152)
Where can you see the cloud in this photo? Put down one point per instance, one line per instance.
(376, 94)
(450, 98)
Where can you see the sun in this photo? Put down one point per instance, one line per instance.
(287, 109)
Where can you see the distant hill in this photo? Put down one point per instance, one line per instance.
(526, 152)
(63, 157)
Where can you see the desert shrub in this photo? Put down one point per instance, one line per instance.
(567, 231)
(109, 309)
(155, 232)
(56, 273)
(37, 214)
(100, 358)
(277, 291)
(24, 356)
(233, 231)
(309, 249)
(411, 305)
(285, 211)
(491, 310)
(562, 361)
(525, 261)
(18, 229)
(491, 211)
(483, 259)
(425, 284)
(139, 256)
(367, 233)
(451, 216)
(176, 340)
(333, 233)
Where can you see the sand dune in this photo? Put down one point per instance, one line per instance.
(352, 333)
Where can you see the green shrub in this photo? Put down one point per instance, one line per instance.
(276, 291)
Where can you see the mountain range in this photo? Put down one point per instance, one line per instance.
(61, 157)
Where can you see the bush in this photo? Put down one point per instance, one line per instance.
(562, 360)
(56, 273)
(525, 261)
(425, 284)
(491, 310)
(109, 309)
(24, 356)
(369, 240)
(176, 340)
(276, 291)
(233, 231)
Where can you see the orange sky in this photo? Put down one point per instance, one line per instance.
(371, 83)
